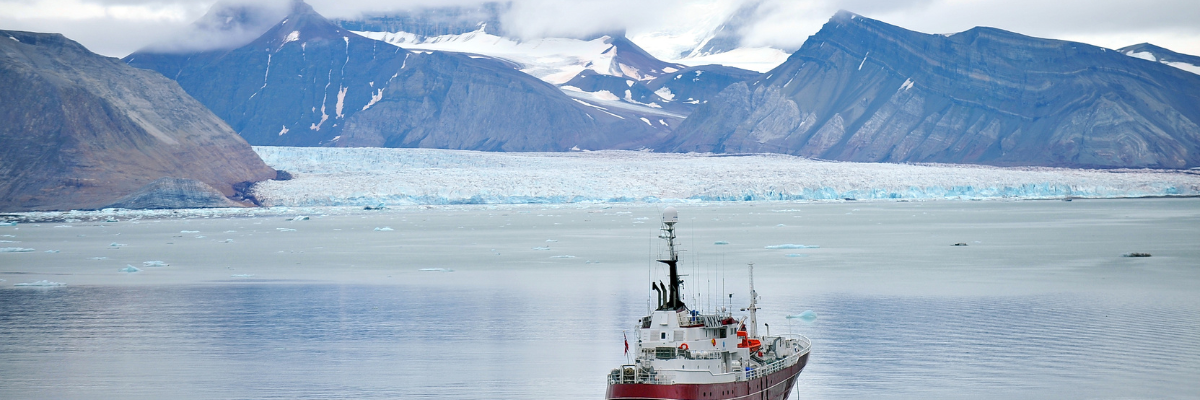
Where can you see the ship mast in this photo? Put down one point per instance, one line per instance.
(753, 305)
(670, 218)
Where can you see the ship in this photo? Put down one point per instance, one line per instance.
(680, 353)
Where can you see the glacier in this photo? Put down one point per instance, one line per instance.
(410, 176)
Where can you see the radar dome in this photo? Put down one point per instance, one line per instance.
(670, 215)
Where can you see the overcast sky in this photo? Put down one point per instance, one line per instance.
(118, 27)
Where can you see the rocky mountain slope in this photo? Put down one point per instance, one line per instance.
(863, 90)
(308, 82)
(81, 130)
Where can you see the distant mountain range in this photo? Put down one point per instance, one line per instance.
(863, 90)
(308, 82)
(83, 131)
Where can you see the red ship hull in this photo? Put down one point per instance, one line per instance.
(776, 386)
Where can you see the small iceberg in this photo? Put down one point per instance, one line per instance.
(130, 269)
(111, 220)
(720, 243)
(541, 248)
(14, 250)
(551, 241)
(562, 256)
(13, 223)
(436, 270)
(189, 231)
(791, 246)
(241, 275)
(115, 244)
(99, 258)
(285, 229)
(795, 255)
(781, 225)
(806, 316)
(1136, 255)
(41, 283)
(300, 218)
(154, 264)
(51, 251)
(384, 229)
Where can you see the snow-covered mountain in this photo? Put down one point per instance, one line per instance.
(1149, 52)
(308, 82)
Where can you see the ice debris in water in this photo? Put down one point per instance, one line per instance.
(792, 246)
(550, 240)
(806, 316)
(241, 275)
(189, 231)
(300, 218)
(41, 283)
(51, 251)
(285, 229)
(154, 264)
(781, 225)
(129, 269)
(720, 242)
(541, 248)
(562, 256)
(14, 223)
(115, 244)
(14, 250)
(384, 229)
(436, 270)
(795, 255)
(99, 258)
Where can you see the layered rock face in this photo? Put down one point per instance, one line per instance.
(82, 130)
(863, 90)
(307, 82)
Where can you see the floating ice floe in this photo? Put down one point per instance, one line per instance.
(115, 244)
(227, 241)
(154, 264)
(241, 275)
(384, 229)
(436, 270)
(720, 242)
(200, 236)
(285, 229)
(14, 250)
(550, 241)
(189, 231)
(41, 283)
(806, 316)
(781, 225)
(562, 256)
(9, 241)
(62, 226)
(791, 246)
(129, 269)
(51, 251)
(13, 223)
(99, 258)
(300, 218)
(541, 248)
(795, 255)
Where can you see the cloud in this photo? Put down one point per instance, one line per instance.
(228, 24)
(116, 27)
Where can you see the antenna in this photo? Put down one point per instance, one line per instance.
(670, 218)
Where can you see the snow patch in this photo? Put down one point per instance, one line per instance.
(864, 61)
(1145, 55)
(375, 97)
(647, 121)
(341, 102)
(283, 131)
(1195, 69)
(291, 37)
(665, 93)
(908, 84)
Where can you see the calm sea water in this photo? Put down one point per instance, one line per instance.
(530, 302)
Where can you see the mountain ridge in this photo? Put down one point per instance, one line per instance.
(870, 91)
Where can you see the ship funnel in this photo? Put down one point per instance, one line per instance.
(670, 216)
